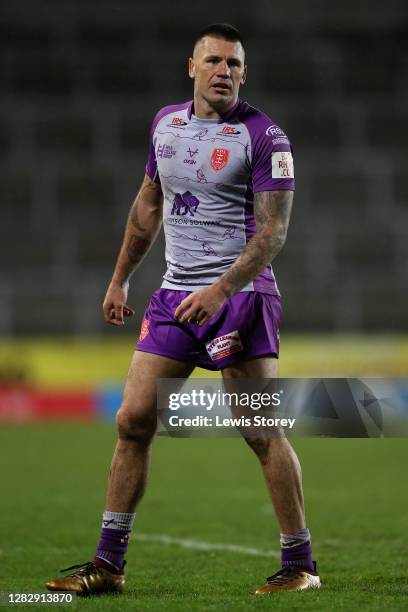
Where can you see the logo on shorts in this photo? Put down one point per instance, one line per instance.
(219, 158)
(144, 330)
(224, 345)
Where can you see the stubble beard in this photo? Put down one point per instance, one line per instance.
(220, 105)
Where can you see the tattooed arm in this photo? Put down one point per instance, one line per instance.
(143, 224)
(272, 213)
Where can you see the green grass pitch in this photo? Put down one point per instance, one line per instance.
(211, 491)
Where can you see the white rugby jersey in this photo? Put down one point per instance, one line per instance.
(209, 171)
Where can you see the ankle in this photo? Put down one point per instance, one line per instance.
(107, 565)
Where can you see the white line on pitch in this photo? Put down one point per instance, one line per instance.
(162, 538)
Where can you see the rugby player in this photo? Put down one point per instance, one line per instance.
(219, 176)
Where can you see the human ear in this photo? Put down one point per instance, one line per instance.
(191, 68)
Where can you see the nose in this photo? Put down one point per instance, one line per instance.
(224, 70)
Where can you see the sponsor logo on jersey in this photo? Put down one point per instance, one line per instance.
(144, 330)
(282, 140)
(274, 130)
(228, 130)
(224, 345)
(166, 151)
(219, 158)
(184, 203)
(178, 121)
(282, 165)
(191, 162)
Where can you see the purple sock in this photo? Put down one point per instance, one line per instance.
(112, 547)
(114, 540)
(299, 555)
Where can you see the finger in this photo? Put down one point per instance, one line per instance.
(128, 312)
(182, 306)
(191, 313)
(200, 313)
(119, 313)
(106, 308)
(201, 318)
(206, 316)
(110, 317)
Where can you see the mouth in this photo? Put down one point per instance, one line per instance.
(221, 87)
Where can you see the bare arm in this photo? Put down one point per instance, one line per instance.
(143, 224)
(272, 213)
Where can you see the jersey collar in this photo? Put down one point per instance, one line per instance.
(225, 117)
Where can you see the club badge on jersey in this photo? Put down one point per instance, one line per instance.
(219, 158)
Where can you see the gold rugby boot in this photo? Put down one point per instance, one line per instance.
(88, 580)
(290, 578)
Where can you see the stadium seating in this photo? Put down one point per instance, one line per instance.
(79, 83)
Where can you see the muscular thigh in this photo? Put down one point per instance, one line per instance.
(263, 367)
(141, 383)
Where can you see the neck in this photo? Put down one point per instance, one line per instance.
(204, 110)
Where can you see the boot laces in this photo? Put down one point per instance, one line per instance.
(84, 569)
(285, 574)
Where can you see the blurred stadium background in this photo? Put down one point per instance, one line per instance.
(79, 84)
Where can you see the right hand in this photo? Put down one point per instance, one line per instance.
(114, 306)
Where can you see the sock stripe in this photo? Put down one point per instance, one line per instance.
(123, 521)
(294, 539)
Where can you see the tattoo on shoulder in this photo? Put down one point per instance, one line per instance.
(136, 248)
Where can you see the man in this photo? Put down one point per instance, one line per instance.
(220, 176)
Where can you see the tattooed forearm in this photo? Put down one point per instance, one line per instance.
(136, 248)
(259, 251)
(272, 212)
(143, 225)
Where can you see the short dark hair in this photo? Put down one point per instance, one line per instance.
(220, 30)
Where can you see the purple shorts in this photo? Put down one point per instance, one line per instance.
(247, 326)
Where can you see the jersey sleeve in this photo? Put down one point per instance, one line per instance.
(151, 165)
(271, 156)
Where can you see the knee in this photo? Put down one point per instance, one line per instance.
(261, 448)
(132, 425)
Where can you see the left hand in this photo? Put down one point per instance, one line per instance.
(201, 305)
